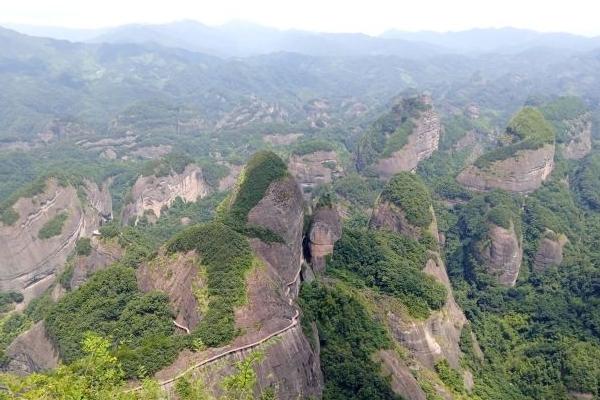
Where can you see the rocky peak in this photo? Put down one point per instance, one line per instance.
(402, 138)
(150, 194)
(314, 169)
(550, 251)
(524, 159)
(325, 230)
(502, 254)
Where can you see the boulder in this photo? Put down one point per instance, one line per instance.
(325, 230)
(550, 251)
(32, 351)
(502, 254)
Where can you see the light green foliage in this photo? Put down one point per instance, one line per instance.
(527, 130)
(357, 189)
(391, 263)
(227, 257)
(349, 337)
(561, 111)
(451, 377)
(308, 146)
(53, 227)
(191, 389)
(240, 385)
(587, 180)
(407, 191)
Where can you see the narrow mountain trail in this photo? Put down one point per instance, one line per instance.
(293, 323)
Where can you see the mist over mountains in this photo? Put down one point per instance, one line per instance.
(242, 39)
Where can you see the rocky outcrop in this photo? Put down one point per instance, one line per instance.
(29, 264)
(32, 351)
(402, 380)
(282, 139)
(151, 193)
(315, 169)
(522, 173)
(550, 251)
(422, 142)
(579, 137)
(325, 230)
(501, 253)
(389, 217)
(179, 277)
(256, 111)
(101, 256)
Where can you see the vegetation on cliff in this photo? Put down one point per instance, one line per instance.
(53, 227)
(227, 256)
(527, 130)
(408, 192)
(349, 337)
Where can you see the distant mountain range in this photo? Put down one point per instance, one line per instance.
(240, 39)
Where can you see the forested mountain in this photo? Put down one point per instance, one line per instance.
(186, 215)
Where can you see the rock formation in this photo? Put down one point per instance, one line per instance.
(523, 160)
(501, 253)
(550, 251)
(101, 256)
(151, 193)
(416, 115)
(314, 169)
(522, 173)
(32, 351)
(30, 264)
(325, 230)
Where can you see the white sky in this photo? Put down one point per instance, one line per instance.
(368, 16)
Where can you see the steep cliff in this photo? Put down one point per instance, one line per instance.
(502, 254)
(578, 141)
(402, 138)
(523, 161)
(31, 351)
(35, 247)
(325, 230)
(550, 251)
(150, 194)
(315, 168)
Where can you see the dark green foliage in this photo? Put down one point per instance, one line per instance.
(53, 227)
(111, 305)
(172, 163)
(587, 180)
(407, 191)
(357, 189)
(263, 168)
(304, 147)
(527, 130)
(391, 263)
(227, 257)
(8, 298)
(562, 110)
(349, 337)
(83, 247)
(213, 172)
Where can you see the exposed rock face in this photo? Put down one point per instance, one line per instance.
(102, 255)
(280, 140)
(422, 142)
(522, 173)
(151, 193)
(550, 251)
(177, 276)
(32, 351)
(257, 111)
(30, 264)
(438, 336)
(326, 229)
(401, 379)
(579, 142)
(317, 111)
(389, 217)
(314, 169)
(502, 254)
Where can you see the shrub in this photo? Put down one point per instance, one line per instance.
(451, 378)
(83, 247)
(407, 191)
(53, 227)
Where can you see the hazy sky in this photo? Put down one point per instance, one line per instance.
(369, 16)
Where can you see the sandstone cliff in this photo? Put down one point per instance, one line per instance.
(30, 264)
(501, 253)
(32, 351)
(315, 169)
(522, 173)
(101, 256)
(550, 251)
(523, 160)
(325, 230)
(399, 140)
(151, 193)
